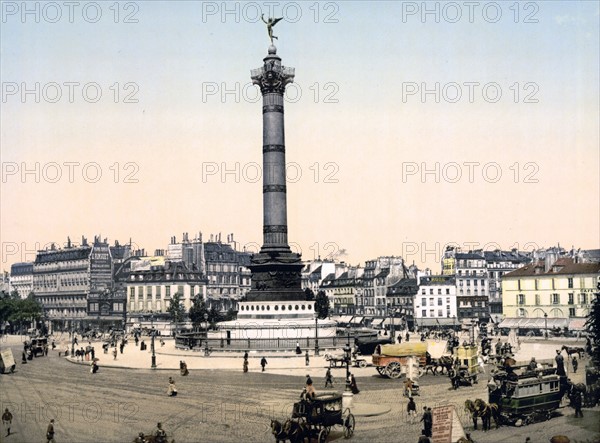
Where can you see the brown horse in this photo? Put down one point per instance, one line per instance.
(291, 430)
(483, 410)
(573, 350)
(432, 364)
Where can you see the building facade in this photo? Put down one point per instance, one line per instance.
(436, 301)
(21, 278)
(472, 285)
(74, 285)
(151, 287)
(499, 263)
(560, 289)
(401, 300)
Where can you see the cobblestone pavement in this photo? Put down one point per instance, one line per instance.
(228, 406)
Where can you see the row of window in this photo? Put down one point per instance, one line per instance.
(439, 291)
(276, 307)
(468, 282)
(432, 313)
(554, 299)
(150, 305)
(117, 307)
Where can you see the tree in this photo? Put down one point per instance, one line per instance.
(322, 305)
(231, 314)
(197, 311)
(309, 294)
(176, 310)
(592, 326)
(214, 316)
(17, 310)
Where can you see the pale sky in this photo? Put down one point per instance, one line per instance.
(358, 129)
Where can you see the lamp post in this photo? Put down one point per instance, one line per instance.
(316, 334)
(153, 365)
(545, 325)
(206, 334)
(347, 358)
(73, 335)
(392, 329)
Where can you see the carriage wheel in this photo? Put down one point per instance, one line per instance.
(393, 370)
(322, 436)
(362, 364)
(381, 370)
(349, 424)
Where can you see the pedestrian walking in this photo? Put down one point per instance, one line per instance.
(427, 420)
(307, 358)
(408, 386)
(245, 367)
(560, 364)
(172, 390)
(263, 363)
(115, 354)
(411, 410)
(298, 350)
(353, 386)
(50, 432)
(575, 364)
(121, 347)
(576, 403)
(93, 352)
(328, 378)
(399, 338)
(7, 420)
(407, 336)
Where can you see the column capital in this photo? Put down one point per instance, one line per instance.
(272, 77)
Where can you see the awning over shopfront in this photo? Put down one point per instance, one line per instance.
(433, 322)
(356, 320)
(577, 324)
(534, 323)
(376, 322)
(344, 319)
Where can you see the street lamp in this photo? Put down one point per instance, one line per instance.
(73, 335)
(347, 358)
(206, 352)
(392, 329)
(316, 334)
(153, 365)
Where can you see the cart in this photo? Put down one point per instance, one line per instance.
(392, 360)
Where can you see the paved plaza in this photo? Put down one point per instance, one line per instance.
(218, 402)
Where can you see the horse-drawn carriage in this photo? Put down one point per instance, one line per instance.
(392, 360)
(37, 346)
(314, 419)
(465, 373)
(524, 396)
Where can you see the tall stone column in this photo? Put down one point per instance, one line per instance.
(275, 269)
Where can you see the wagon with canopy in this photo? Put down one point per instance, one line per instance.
(392, 360)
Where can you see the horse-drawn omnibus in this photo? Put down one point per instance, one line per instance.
(314, 418)
(523, 396)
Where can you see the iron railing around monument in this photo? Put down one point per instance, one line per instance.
(196, 343)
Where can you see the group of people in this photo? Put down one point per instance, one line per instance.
(263, 363)
(160, 436)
